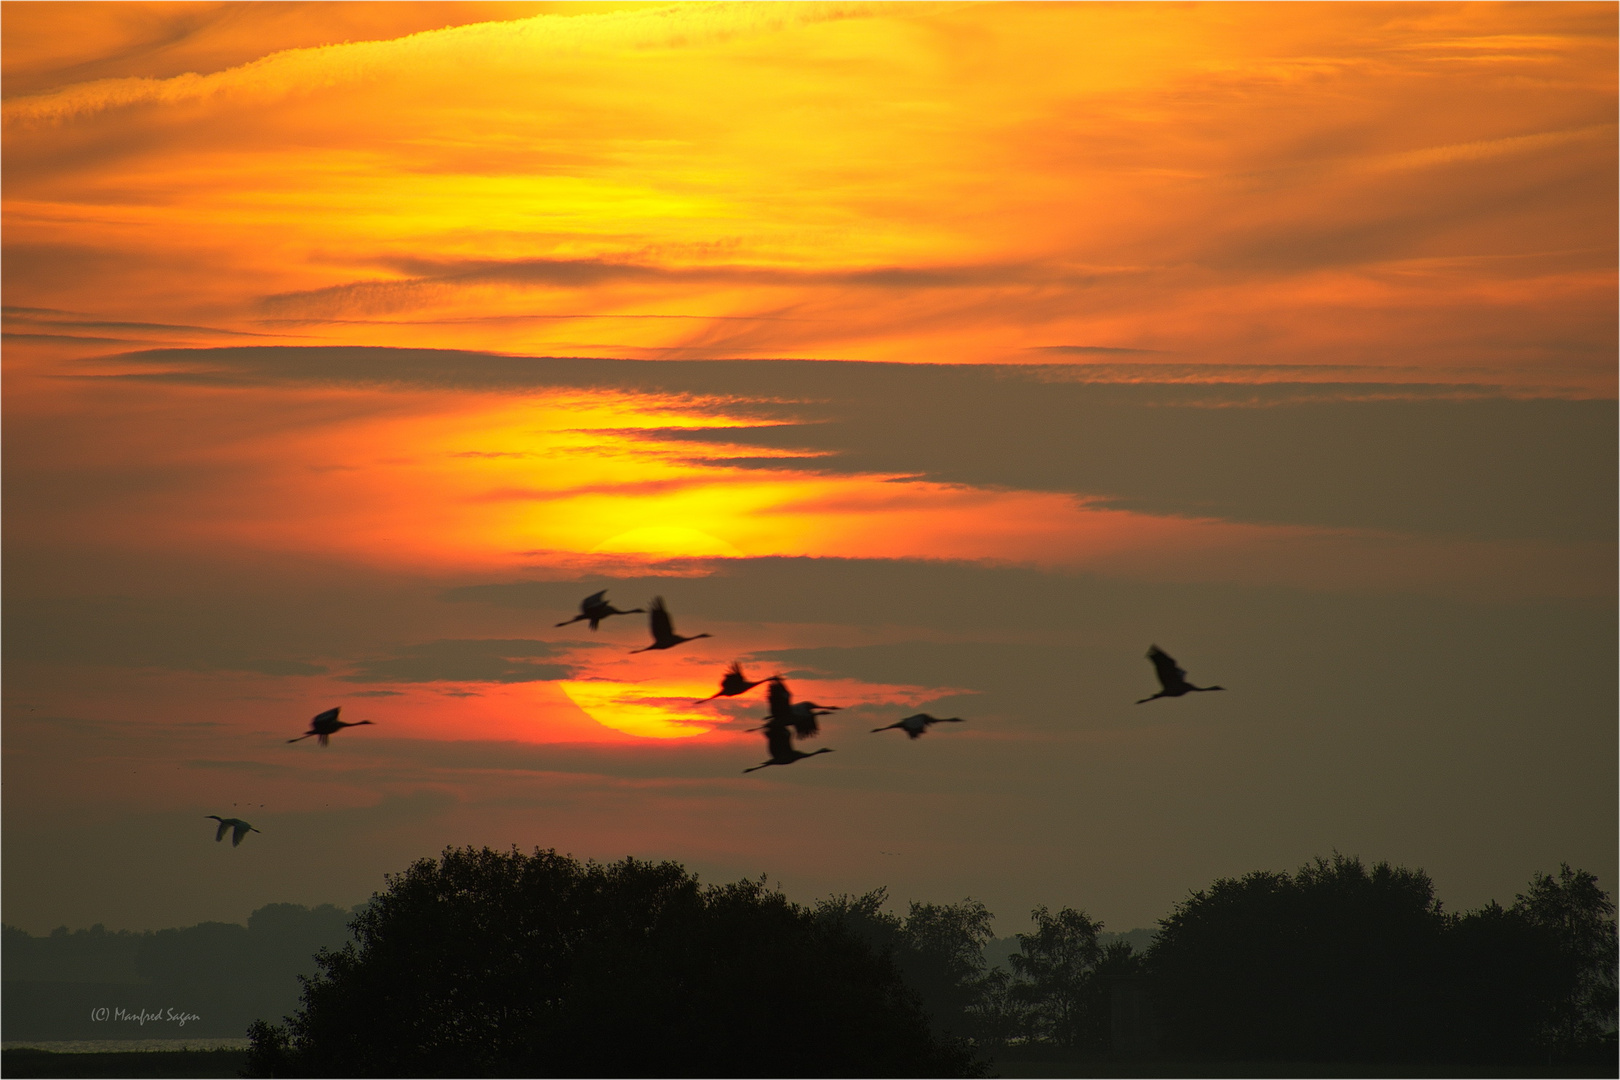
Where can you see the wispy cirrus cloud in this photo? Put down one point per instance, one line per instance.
(1377, 197)
(497, 43)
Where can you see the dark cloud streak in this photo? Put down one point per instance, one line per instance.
(426, 278)
(1489, 468)
(464, 660)
(1089, 350)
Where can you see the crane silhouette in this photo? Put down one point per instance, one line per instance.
(780, 742)
(734, 683)
(914, 726)
(238, 827)
(326, 724)
(798, 715)
(663, 630)
(784, 722)
(1171, 677)
(595, 608)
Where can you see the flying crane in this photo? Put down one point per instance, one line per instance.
(914, 726)
(734, 683)
(596, 608)
(663, 628)
(1171, 677)
(326, 724)
(237, 826)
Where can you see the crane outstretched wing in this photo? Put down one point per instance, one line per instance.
(219, 833)
(592, 600)
(326, 717)
(915, 725)
(735, 682)
(781, 702)
(239, 830)
(779, 741)
(1164, 665)
(663, 628)
(731, 684)
(804, 720)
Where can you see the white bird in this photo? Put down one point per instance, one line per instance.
(663, 628)
(326, 724)
(595, 608)
(1171, 677)
(914, 726)
(238, 827)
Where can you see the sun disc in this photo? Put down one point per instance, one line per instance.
(638, 709)
(670, 541)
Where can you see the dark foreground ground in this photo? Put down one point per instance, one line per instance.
(119, 1063)
(189, 1063)
(1094, 1067)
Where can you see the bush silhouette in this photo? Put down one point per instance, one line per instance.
(487, 963)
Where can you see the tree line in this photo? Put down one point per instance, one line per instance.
(227, 974)
(1335, 962)
(485, 963)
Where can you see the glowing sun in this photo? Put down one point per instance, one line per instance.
(661, 711)
(671, 541)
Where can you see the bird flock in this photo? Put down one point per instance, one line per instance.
(789, 720)
(786, 721)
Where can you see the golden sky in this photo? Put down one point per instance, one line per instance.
(347, 346)
(1419, 190)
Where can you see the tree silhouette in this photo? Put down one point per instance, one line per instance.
(487, 963)
(1337, 961)
(1578, 917)
(944, 959)
(1503, 980)
(1055, 968)
(937, 948)
(998, 1016)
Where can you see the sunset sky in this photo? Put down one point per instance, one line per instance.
(938, 357)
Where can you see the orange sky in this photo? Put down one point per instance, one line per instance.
(1325, 251)
(1419, 190)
